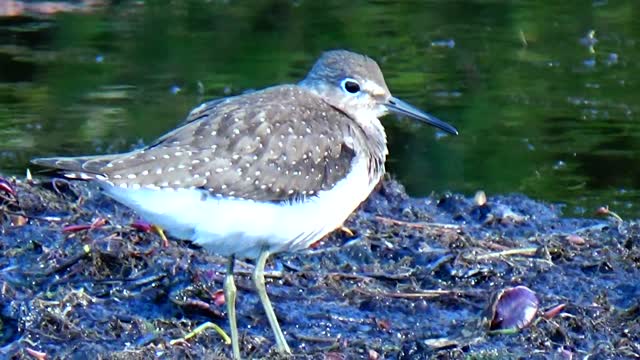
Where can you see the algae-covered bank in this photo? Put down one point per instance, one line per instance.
(418, 278)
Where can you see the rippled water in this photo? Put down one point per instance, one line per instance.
(544, 94)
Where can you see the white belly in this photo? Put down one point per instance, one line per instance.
(244, 227)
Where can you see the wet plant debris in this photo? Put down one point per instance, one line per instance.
(412, 278)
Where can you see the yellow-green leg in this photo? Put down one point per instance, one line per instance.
(230, 299)
(258, 280)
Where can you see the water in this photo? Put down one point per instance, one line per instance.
(544, 93)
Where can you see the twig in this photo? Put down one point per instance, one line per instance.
(424, 294)
(86, 251)
(531, 251)
(201, 328)
(334, 249)
(317, 339)
(417, 225)
(388, 276)
(36, 354)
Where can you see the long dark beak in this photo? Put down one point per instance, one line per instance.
(401, 107)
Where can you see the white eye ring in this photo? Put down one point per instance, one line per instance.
(350, 86)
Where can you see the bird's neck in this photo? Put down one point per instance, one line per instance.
(374, 143)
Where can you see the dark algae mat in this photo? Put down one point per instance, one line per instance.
(446, 277)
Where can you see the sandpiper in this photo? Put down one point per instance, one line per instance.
(270, 171)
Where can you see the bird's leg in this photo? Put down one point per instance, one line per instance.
(346, 230)
(230, 298)
(258, 279)
(158, 230)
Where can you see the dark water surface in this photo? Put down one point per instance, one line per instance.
(545, 94)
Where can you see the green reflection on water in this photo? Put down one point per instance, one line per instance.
(541, 110)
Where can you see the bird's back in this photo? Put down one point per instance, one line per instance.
(274, 144)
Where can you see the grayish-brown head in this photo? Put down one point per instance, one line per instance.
(354, 84)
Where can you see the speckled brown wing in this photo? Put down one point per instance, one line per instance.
(276, 144)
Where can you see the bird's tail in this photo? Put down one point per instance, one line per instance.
(81, 167)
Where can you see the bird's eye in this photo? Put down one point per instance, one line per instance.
(351, 86)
